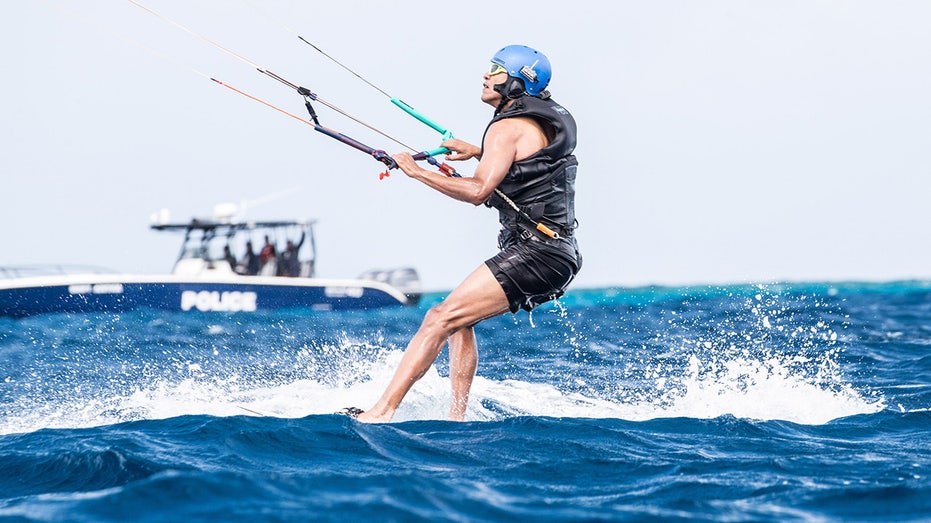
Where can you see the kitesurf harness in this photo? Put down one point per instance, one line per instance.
(541, 186)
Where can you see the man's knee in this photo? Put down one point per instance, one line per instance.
(440, 319)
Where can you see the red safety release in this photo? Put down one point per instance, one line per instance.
(447, 169)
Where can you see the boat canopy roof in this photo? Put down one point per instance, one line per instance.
(222, 227)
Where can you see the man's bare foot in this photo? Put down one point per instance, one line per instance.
(371, 416)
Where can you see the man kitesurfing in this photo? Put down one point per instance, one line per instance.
(527, 171)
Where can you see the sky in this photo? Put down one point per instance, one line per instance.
(719, 141)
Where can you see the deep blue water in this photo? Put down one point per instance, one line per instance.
(742, 403)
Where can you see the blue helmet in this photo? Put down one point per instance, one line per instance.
(527, 64)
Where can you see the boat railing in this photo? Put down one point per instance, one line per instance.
(26, 271)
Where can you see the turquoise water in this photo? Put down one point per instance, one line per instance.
(744, 403)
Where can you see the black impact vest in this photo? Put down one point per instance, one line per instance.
(543, 184)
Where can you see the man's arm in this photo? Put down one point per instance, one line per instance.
(505, 142)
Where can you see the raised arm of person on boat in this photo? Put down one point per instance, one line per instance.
(526, 155)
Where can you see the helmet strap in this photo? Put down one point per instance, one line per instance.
(510, 89)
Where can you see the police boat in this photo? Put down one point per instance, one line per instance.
(274, 270)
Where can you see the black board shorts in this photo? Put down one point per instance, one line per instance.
(533, 272)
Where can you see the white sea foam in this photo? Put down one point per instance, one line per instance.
(766, 388)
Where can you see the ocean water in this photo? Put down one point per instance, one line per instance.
(741, 403)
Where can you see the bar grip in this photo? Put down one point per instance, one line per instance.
(416, 114)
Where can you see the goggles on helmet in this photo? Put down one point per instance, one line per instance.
(496, 69)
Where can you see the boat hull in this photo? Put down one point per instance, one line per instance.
(235, 294)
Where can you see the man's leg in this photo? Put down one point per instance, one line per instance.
(463, 362)
(478, 297)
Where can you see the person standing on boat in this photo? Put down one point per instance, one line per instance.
(250, 263)
(288, 264)
(526, 154)
(228, 256)
(269, 257)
